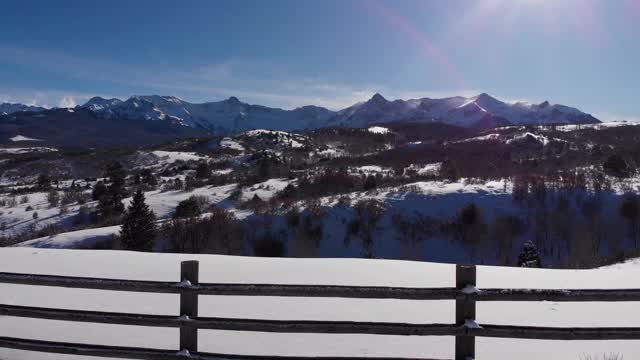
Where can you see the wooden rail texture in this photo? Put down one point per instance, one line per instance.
(465, 329)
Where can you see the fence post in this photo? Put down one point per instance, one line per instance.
(465, 310)
(189, 306)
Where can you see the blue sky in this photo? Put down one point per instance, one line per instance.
(333, 53)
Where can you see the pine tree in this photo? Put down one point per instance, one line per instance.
(99, 190)
(630, 210)
(188, 208)
(202, 171)
(110, 203)
(449, 171)
(370, 183)
(138, 229)
(53, 197)
(44, 181)
(529, 256)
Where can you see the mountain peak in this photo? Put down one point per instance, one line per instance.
(487, 101)
(377, 98)
(233, 100)
(484, 96)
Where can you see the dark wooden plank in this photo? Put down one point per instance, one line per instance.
(89, 350)
(91, 283)
(330, 327)
(465, 311)
(90, 316)
(189, 306)
(151, 354)
(278, 326)
(364, 292)
(587, 295)
(557, 333)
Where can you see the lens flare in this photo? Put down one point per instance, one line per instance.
(418, 39)
(506, 18)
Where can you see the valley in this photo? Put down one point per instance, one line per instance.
(399, 190)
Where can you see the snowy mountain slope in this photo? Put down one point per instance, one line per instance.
(235, 269)
(482, 111)
(227, 116)
(97, 103)
(78, 128)
(9, 108)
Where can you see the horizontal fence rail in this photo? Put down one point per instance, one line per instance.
(465, 329)
(152, 354)
(572, 295)
(556, 333)
(362, 292)
(281, 326)
(343, 291)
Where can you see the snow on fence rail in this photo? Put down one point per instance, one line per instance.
(465, 329)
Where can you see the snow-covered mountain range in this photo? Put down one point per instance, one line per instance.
(232, 115)
(9, 108)
(227, 116)
(482, 111)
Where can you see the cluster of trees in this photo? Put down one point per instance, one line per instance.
(139, 229)
(110, 195)
(216, 233)
(328, 182)
(363, 225)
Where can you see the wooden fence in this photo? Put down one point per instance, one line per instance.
(465, 328)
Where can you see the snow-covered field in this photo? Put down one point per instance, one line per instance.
(230, 143)
(266, 190)
(25, 150)
(74, 239)
(173, 156)
(17, 219)
(20, 217)
(22, 138)
(146, 266)
(378, 130)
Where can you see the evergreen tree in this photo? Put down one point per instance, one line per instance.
(370, 183)
(139, 228)
(190, 183)
(148, 177)
(202, 171)
(188, 208)
(44, 181)
(99, 190)
(529, 256)
(470, 215)
(53, 197)
(449, 171)
(617, 166)
(110, 203)
(630, 210)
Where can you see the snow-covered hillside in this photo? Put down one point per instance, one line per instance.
(225, 269)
